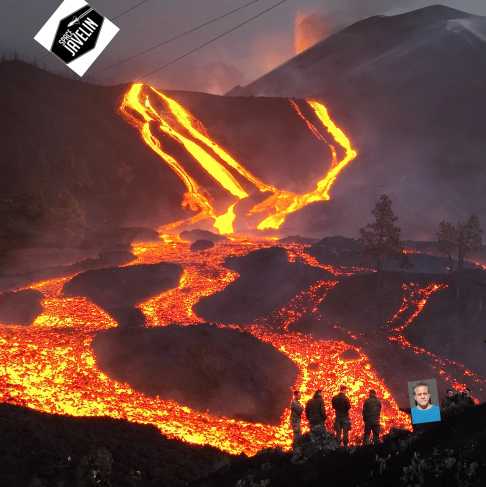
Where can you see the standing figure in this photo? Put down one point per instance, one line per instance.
(371, 418)
(465, 399)
(450, 403)
(296, 410)
(315, 412)
(342, 424)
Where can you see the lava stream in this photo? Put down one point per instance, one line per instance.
(51, 367)
(414, 301)
(175, 121)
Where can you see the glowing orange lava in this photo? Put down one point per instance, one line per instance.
(176, 122)
(414, 300)
(50, 366)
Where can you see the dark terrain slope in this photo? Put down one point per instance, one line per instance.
(453, 324)
(409, 90)
(267, 281)
(20, 307)
(452, 454)
(44, 450)
(423, 257)
(218, 370)
(74, 168)
(118, 289)
(65, 145)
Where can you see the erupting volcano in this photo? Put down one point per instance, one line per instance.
(51, 366)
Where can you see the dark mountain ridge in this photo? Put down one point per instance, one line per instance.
(408, 90)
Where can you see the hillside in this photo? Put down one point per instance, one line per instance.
(72, 165)
(409, 89)
(448, 455)
(43, 450)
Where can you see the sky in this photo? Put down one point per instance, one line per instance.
(237, 58)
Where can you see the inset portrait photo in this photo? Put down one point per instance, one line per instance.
(424, 401)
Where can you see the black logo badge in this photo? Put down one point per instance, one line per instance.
(77, 34)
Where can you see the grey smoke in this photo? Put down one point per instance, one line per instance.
(334, 15)
(270, 37)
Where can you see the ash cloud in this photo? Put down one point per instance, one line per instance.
(310, 29)
(333, 15)
(212, 77)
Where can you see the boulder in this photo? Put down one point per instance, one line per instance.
(199, 245)
(205, 367)
(118, 290)
(267, 281)
(20, 307)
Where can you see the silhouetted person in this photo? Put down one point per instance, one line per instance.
(296, 410)
(315, 412)
(465, 399)
(450, 403)
(342, 424)
(371, 418)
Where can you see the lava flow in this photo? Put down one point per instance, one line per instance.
(414, 300)
(51, 367)
(139, 107)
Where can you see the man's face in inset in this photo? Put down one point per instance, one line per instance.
(422, 396)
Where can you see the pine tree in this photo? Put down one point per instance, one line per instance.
(447, 238)
(462, 238)
(381, 238)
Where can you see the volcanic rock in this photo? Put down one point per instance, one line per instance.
(120, 237)
(373, 302)
(298, 239)
(224, 371)
(267, 281)
(319, 442)
(340, 251)
(54, 448)
(450, 452)
(350, 355)
(130, 185)
(103, 259)
(453, 323)
(20, 307)
(114, 257)
(245, 222)
(202, 245)
(196, 234)
(118, 290)
(345, 251)
(357, 311)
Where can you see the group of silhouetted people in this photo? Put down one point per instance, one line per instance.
(315, 412)
(456, 401)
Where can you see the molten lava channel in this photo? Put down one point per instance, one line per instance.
(50, 366)
(176, 122)
(414, 301)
